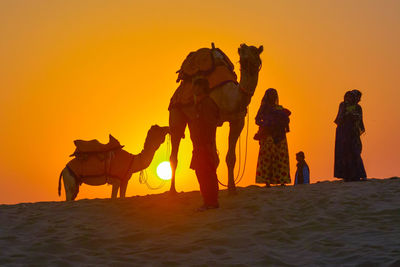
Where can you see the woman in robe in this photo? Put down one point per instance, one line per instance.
(348, 162)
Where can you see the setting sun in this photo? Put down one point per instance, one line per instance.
(164, 170)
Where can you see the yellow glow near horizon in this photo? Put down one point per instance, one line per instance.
(86, 69)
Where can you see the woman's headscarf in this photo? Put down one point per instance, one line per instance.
(270, 98)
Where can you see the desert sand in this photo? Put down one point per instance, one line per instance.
(328, 223)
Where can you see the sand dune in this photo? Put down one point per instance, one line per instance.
(329, 223)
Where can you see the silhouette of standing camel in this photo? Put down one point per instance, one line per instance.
(232, 100)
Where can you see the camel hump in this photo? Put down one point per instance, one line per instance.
(94, 146)
(203, 62)
(196, 62)
(208, 63)
(221, 58)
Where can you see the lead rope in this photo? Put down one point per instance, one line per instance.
(168, 150)
(143, 179)
(238, 179)
(240, 176)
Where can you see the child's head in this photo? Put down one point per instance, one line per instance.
(300, 156)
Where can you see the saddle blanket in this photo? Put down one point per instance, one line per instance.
(94, 146)
(211, 64)
(93, 159)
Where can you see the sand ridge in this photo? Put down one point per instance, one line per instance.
(328, 223)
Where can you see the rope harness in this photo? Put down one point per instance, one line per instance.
(143, 175)
(143, 179)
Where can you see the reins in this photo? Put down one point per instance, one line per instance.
(238, 175)
(239, 178)
(144, 177)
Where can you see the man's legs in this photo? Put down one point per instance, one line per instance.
(207, 176)
(205, 158)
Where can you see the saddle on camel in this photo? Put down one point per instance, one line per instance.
(206, 63)
(94, 159)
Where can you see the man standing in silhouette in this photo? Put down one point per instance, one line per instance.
(203, 130)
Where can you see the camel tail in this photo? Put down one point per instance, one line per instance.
(59, 183)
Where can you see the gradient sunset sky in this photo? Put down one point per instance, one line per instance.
(84, 69)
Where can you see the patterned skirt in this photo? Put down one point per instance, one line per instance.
(273, 162)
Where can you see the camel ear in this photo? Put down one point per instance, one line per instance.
(111, 138)
(154, 126)
(260, 49)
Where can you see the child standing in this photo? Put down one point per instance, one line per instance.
(302, 172)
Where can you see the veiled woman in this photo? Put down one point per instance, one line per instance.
(273, 158)
(348, 162)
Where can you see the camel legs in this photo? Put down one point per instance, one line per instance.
(115, 187)
(122, 188)
(173, 159)
(235, 128)
(70, 185)
(177, 125)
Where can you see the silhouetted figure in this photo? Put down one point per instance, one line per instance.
(203, 130)
(348, 162)
(303, 171)
(273, 158)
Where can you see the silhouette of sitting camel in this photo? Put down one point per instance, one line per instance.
(99, 164)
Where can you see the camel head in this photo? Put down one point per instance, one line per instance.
(250, 58)
(155, 137)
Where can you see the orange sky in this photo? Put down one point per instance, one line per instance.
(83, 69)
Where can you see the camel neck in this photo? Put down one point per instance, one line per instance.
(148, 154)
(248, 82)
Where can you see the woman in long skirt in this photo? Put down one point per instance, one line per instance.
(273, 158)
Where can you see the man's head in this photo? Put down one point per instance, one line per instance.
(200, 86)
